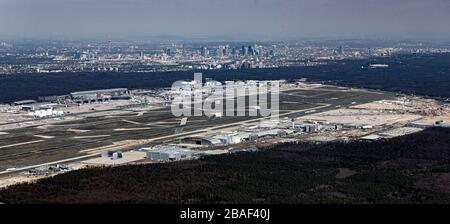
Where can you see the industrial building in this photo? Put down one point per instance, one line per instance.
(49, 169)
(39, 106)
(203, 141)
(234, 137)
(312, 128)
(98, 95)
(372, 137)
(167, 153)
(272, 133)
(112, 154)
(23, 102)
(55, 99)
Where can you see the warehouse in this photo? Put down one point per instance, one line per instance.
(168, 153)
(112, 154)
(204, 141)
(23, 102)
(39, 106)
(370, 138)
(98, 95)
(235, 138)
(272, 132)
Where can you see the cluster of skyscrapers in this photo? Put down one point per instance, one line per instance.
(244, 50)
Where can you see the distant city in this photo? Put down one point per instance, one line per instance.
(57, 56)
(224, 111)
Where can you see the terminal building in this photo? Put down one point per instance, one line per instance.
(99, 95)
(23, 102)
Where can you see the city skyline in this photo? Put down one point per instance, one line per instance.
(260, 19)
(224, 102)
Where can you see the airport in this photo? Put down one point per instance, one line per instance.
(133, 126)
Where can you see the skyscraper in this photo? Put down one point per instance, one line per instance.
(204, 52)
(226, 50)
(251, 50)
(235, 51)
(168, 51)
(244, 51)
(219, 51)
(341, 50)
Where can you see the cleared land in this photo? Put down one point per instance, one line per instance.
(360, 117)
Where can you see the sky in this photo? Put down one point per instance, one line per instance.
(270, 19)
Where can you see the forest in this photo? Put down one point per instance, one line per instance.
(422, 74)
(407, 169)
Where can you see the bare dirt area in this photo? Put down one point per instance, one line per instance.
(433, 119)
(360, 117)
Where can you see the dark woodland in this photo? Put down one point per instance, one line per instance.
(408, 169)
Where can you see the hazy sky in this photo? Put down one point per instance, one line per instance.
(246, 18)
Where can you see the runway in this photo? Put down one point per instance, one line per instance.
(151, 126)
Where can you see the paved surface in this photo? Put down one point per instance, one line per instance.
(150, 127)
